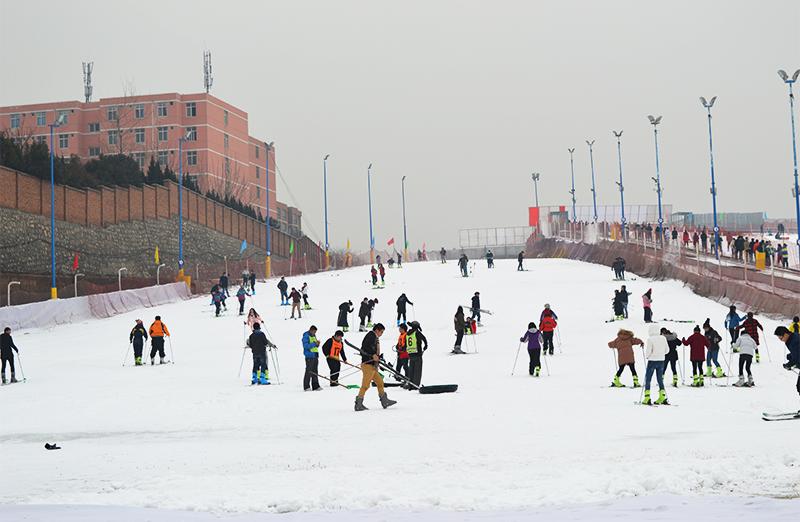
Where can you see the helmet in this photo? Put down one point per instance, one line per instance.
(138, 321)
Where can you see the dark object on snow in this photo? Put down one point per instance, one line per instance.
(51, 446)
(441, 388)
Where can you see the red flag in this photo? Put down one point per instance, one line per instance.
(391, 242)
(75, 264)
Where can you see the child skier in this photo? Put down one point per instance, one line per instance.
(241, 294)
(672, 356)
(533, 337)
(138, 337)
(713, 350)
(258, 343)
(697, 355)
(655, 351)
(647, 300)
(374, 274)
(746, 347)
(402, 353)
(624, 344)
(217, 302)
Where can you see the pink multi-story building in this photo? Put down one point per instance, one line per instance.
(218, 151)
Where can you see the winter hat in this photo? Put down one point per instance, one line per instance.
(707, 323)
(138, 321)
(547, 306)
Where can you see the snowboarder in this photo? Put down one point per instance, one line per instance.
(374, 273)
(253, 282)
(655, 351)
(402, 353)
(792, 341)
(333, 349)
(489, 259)
(252, 319)
(138, 336)
(304, 293)
(401, 303)
(519, 260)
(416, 344)
(460, 325)
(443, 255)
(311, 353)
(476, 308)
(746, 347)
(283, 286)
(462, 264)
(697, 355)
(548, 325)
(241, 295)
(258, 344)
(223, 283)
(370, 357)
(624, 344)
(158, 331)
(363, 312)
(751, 326)
(732, 322)
(6, 353)
(713, 350)
(647, 300)
(295, 295)
(344, 310)
(533, 337)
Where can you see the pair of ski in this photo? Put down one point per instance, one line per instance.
(781, 416)
(653, 404)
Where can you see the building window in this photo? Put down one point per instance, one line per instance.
(94, 151)
(192, 133)
(15, 121)
(226, 141)
(284, 228)
(138, 110)
(41, 139)
(63, 141)
(162, 109)
(284, 215)
(256, 151)
(163, 158)
(112, 137)
(191, 110)
(227, 165)
(162, 134)
(139, 157)
(139, 133)
(258, 172)
(258, 192)
(41, 119)
(94, 127)
(191, 158)
(112, 113)
(226, 117)
(65, 115)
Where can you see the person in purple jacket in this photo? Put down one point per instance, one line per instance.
(534, 339)
(552, 313)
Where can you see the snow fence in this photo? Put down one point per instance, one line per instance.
(62, 311)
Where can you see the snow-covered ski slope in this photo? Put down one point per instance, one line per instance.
(190, 436)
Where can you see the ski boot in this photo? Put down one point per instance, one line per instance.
(344, 328)
(662, 397)
(138, 361)
(616, 383)
(398, 322)
(255, 378)
(700, 381)
(719, 372)
(694, 381)
(536, 372)
(735, 349)
(674, 381)
(758, 358)
(263, 378)
(636, 382)
(162, 361)
(750, 382)
(383, 283)
(152, 361)
(360, 404)
(457, 349)
(4, 378)
(386, 401)
(369, 324)
(647, 400)
(13, 378)
(740, 382)
(708, 371)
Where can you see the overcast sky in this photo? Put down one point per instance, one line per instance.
(465, 98)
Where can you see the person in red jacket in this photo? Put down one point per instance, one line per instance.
(547, 327)
(402, 353)
(699, 343)
(751, 326)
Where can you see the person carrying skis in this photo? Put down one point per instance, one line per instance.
(402, 353)
(460, 325)
(792, 341)
(751, 326)
(241, 295)
(746, 347)
(374, 274)
(283, 286)
(533, 337)
(311, 353)
(624, 344)
(344, 310)
(732, 322)
(489, 259)
(382, 271)
(258, 344)
(253, 282)
(252, 319)
(401, 303)
(6, 353)
(647, 300)
(519, 260)
(370, 357)
(363, 312)
(443, 255)
(655, 351)
(295, 295)
(476, 308)
(332, 350)
(462, 264)
(138, 336)
(672, 356)
(416, 344)
(304, 293)
(697, 355)
(713, 350)
(223, 283)
(548, 325)
(158, 331)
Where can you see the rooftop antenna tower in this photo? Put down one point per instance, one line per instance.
(87, 80)
(207, 79)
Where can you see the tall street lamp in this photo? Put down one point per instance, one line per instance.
(594, 194)
(53, 292)
(268, 147)
(325, 189)
(785, 78)
(572, 168)
(405, 235)
(371, 237)
(535, 178)
(657, 179)
(621, 188)
(180, 201)
(708, 106)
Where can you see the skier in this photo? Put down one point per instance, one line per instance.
(655, 351)
(6, 353)
(158, 331)
(443, 255)
(252, 319)
(419, 255)
(489, 259)
(378, 259)
(416, 344)
(258, 344)
(401, 308)
(519, 260)
(746, 347)
(363, 312)
(462, 264)
(624, 344)
(370, 356)
(295, 295)
(697, 355)
(547, 309)
(391, 262)
(402, 353)
(533, 337)
(622, 269)
(647, 300)
(241, 295)
(333, 349)
(672, 356)
(253, 282)
(615, 267)
(223, 283)
(399, 261)
(245, 276)
(792, 341)
(460, 325)
(619, 310)
(624, 299)
(304, 293)
(372, 303)
(382, 271)
(548, 325)
(311, 353)
(374, 274)
(732, 321)
(344, 310)
(713, 350)
(283, 286)
(751, 326)
(138, 336)
(476, 308)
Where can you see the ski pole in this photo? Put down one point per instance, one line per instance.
(766, 345)
(126, 353)
(728, 364)
(413, 312)
(275, 360)
(558, 338)
(546, 367)
(683, 376)
(334, 382)
(641, 394)
(171, 354)
(19, 360)
(242, 363)
(515, 358)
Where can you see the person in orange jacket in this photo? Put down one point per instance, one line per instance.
(158, 331)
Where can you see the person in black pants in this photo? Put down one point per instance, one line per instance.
(416, 344)
(460, 325)
(311, 353)
(6, 353)
(344, 310)
(519, 259)
(138, 337)
(363, 311)
(476, 308)
(333, 350)
(258, 343)
(253, 282)
(223, 283)
(401, 308)
(283, 286)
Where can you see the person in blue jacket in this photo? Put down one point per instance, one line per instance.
(792, 341)
(311, 353)
(732, 321)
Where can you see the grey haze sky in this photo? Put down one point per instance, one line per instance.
(465, 98)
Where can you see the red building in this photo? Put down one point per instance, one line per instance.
(218, 151)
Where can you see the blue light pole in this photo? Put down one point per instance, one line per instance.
(405, 235)
(708, 106)
(785, 78)
(53, 292)
(268, 146)
(594, 195)
(572, 168)
(180, 201)
(371, 237)
(621, 188)
(325, 185)
(657, 179)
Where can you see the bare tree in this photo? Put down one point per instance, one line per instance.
(121, 121)
(23, 134)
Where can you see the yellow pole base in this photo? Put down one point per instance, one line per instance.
(327, 260)
(269, 268)
(53, 293)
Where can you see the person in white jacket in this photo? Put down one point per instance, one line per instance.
(746, 347)
(655, 351)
